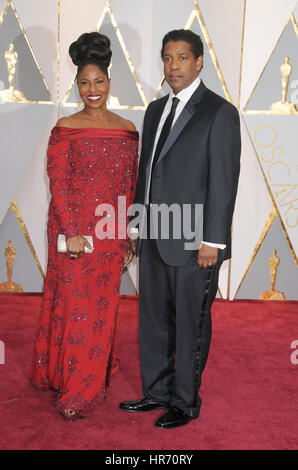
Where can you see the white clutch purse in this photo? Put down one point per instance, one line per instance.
(62, 248)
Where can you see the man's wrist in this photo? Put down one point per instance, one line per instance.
(215, 245)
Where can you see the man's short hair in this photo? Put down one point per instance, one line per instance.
(186, 35)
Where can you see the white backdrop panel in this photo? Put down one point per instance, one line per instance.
(75, 19)
(275, 140)
(143, 25)
(226, 41)
(2, 5)
(33, 195)
(253, 206)
(23, 126)
(40, 21)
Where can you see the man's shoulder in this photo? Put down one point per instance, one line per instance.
(158, 102)
(217, 101)
(155, 105)
(162, 99)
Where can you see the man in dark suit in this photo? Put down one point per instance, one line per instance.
(190, 155)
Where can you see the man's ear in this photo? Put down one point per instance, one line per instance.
(199, 62)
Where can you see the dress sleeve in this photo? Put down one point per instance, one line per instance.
(134, 174)
(59, 173)
(132, 192)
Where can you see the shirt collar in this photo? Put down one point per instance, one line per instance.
(186, 93)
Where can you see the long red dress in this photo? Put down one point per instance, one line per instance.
(73, 350)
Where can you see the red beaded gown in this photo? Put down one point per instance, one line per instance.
(74, 342)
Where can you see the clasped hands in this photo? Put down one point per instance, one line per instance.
(76, 248)
(131, 249)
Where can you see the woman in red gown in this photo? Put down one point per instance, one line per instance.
(92, 160)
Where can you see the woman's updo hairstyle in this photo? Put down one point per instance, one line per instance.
(91, 48)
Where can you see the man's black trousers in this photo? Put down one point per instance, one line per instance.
(174, 328)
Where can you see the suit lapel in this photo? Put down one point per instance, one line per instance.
(188, 111)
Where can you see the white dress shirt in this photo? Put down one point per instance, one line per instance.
(183, 96)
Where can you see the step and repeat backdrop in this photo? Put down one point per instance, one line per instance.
(251, 59)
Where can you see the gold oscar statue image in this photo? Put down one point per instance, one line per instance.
(284, 106)
(9, 286)
(273, 294)
(11, 95)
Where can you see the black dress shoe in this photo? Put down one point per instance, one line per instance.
(173, 419)
(144, 404)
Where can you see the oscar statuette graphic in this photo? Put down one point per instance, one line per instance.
(273, 294)
(284, 106)
(9, 286)
(12, 95)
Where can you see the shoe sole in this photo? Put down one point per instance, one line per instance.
(172, 427)
(144, 411)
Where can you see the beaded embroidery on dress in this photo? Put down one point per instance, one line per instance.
(74, 342)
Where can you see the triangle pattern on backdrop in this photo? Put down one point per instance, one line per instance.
(279, 73)
(121, 70)
(22, 126)
(255, 282)
(211, 72)
(274, 139)
(21, 79)
(271, 117)
(26, 271)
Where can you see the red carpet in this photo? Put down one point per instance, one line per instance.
(249, 389)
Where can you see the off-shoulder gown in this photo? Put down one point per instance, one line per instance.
(74, 343)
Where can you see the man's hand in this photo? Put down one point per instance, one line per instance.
(130, 251)
(207, 256)
(128, 256)
(75, 245)
(132, 244)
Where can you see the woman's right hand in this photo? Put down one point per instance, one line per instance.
(75, 245)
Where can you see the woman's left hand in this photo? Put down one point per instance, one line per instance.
(128, 256)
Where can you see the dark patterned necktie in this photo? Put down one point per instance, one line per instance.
(165, 131)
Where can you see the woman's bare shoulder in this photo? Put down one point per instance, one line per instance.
(68, 121)
(123, 123)
(63, 122)
(130, 125)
